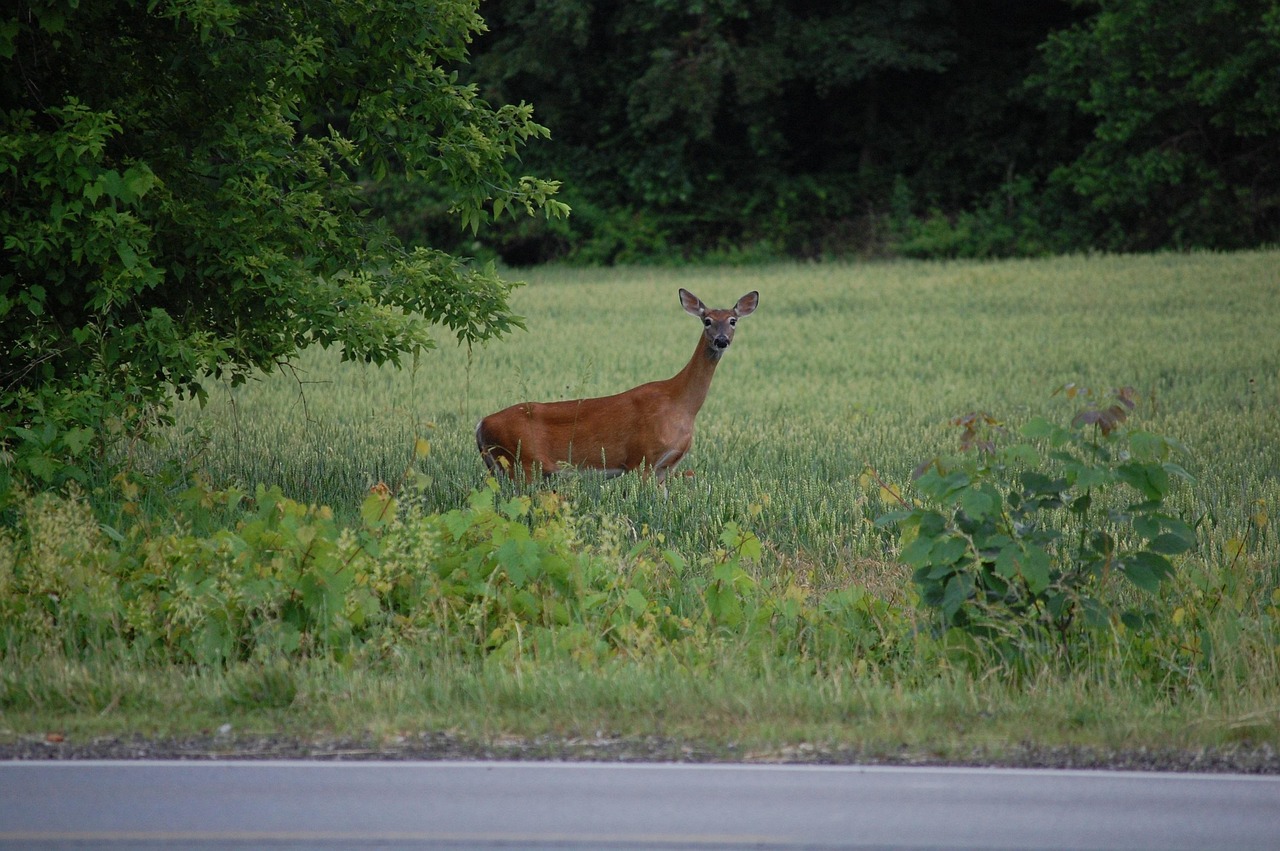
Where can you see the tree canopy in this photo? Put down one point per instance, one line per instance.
(937, 127)
(180, 197)
(1184, 101)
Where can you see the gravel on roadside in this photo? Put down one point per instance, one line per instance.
(1244, 758)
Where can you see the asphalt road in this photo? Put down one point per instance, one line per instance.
(196, 805)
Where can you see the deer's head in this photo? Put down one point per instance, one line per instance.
(718, 325)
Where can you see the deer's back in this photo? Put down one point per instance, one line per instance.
(616, 433)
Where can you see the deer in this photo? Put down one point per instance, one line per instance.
(648, 428)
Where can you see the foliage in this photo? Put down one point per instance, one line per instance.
(1023, 540)
(505, 578)
(179, 198)
(1009, 223)
(726, 126)
(859, 363)
(1186, 135)
(773, 129)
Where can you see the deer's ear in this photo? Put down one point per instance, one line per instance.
(747, 304)
(691, 303)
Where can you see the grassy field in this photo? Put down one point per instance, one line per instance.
(842, 367)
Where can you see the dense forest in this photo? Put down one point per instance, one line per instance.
(741, 128)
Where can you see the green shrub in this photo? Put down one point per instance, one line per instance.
(56, 583)
(144, 258)
(505, 578)
(1015, 542)
(1012, 221)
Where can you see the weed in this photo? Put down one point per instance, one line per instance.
(756, 599)
(1018, 542)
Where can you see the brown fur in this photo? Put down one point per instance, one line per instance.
(646, 428)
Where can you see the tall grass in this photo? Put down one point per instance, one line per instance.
(843, 367)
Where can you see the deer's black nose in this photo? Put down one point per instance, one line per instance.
(721, 342)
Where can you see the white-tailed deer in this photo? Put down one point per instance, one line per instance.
(648, 428)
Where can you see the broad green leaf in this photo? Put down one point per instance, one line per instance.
(1148, 446)
(1147, 570)
(1149, 479)
(731, 535)
(1038, 484)
(1036, 566)
(1170, 544)
(1020, 455)
(526, 604)
(727, 572)
(919, 552)
(127, 255)
(1006, 563)
(519, 560)
(1028, 562)
(636, 602)
(931, 524)
(77, 440)
(992, 541)
(1037, 428)
(938, 570)
(114, 186)
(892, 518)
(458, 523)
(516, 507)
(1089, 477)
(1147, 525)
(1102, 542)
(978, 504)
(958, 589)
(377, 509)
(746, 543)
(948, 550)
(138, 181)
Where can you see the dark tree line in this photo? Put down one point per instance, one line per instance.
(929, 127)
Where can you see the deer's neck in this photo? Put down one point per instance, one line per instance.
(691, 384)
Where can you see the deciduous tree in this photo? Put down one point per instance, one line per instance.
(180, 198)
(1185, 100)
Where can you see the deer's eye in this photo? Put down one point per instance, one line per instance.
(733, 322)
(706, 322)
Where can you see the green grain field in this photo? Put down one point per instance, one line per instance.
(843, 368)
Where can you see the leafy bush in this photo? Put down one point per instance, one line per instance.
(1009, 222)
(179, 203)
(506, 577)
(56, 571)
(1019, 541)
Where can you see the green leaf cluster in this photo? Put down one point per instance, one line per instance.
(724, 126)
(506, 579)
(1022, 540)
(1182, 99)
(180, 200)
(749, 129)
